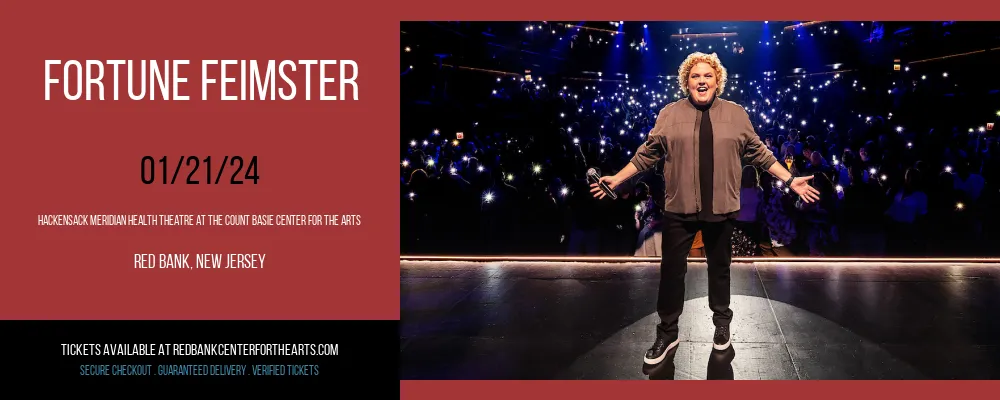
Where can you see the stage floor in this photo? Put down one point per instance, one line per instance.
(580, 320)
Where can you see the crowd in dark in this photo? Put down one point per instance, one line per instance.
(495, 164)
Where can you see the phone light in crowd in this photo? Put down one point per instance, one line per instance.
(831, 126)
(510, 177)
(430, 162)
(803, 122)
(488, 197)
(437, 132)
(836, 162)
(454, 142)
(480, 168)
(638, 207)
(815, 100)
(779, 183)
(537, 169)
(602, 142)
(562, 115)
(899, 129)
(406, 163)
(498, 79)
(454, 170)
(425, 142)
(909, 145)
(795, 98)
(884, 177)
(945, 74)
(576, 140)
(494, 91)
(564, 191)
(413, 143)
(840, 189)
(412, 195)
(947, 168)
(569, 129)
(872, 171)
(959, 206)
(982, 129)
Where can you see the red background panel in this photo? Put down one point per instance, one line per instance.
(314, 157)
(741, 390)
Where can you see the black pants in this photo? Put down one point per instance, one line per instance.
(677, 239)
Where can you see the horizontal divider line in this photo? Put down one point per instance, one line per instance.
(627, 259)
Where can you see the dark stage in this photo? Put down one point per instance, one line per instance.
(793, 320)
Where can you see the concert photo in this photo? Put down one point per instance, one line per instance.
(691, 200)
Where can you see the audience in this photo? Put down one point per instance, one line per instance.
(895, 183)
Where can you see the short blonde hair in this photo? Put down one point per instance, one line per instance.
(684, 72)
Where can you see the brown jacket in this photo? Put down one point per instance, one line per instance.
(674, 137)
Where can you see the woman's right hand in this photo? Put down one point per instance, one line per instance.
(611, 181)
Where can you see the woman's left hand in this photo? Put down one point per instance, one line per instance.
(801, 187)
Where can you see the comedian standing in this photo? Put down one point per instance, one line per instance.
(703, 141)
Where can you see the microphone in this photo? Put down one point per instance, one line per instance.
(593, 177)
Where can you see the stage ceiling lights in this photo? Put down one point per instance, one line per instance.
(802, 25)
(589, 28)
(683, 36)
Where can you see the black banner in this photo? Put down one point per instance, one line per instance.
(281, 354)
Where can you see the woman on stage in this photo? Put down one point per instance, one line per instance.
(704, 141)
